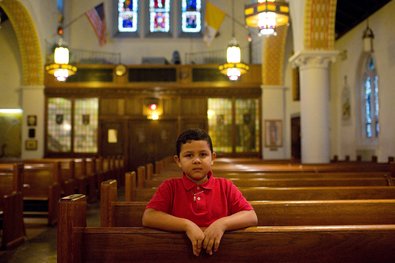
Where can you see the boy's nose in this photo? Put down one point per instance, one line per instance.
(196, 159)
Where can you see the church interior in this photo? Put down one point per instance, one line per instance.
(95, 93)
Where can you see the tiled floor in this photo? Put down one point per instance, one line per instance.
(40, 246)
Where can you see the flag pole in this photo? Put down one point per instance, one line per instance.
(74, 20)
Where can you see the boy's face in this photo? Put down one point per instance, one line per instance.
(195, 160)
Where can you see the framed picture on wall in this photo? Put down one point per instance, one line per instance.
(31, 145)
(273, 133)
(31, 120)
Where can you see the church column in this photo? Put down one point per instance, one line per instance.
(273, 116)
(33, 104)
(314, 103)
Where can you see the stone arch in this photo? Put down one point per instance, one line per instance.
(319, 24)
(28, 42)
(273, 58)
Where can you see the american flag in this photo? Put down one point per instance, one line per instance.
(98, 21)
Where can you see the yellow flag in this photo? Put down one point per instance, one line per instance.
(213, 21)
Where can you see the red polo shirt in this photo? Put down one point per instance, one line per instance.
(202, 204)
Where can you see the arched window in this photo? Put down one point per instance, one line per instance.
(370, 99)
(127, 15)
(159, 16)
(191, 16)
(154, 18)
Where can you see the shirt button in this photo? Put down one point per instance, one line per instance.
(198, 198)
(198, 188)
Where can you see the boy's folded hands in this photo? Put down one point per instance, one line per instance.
(205, 238)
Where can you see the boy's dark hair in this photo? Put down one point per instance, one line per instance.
(195, 134)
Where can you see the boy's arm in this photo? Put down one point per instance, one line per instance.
(158, 219)
(214, 232)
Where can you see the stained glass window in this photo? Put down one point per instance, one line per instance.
(233, 125)
(59, 125)
(127, 15)
(247, 125)
(220, 124)
(86, 125)
(191, 21)
(370, 102)
(159, 16)
(74, 121)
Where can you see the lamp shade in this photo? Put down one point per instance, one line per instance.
(233, 53)
(266, 15)
(60, 68)
(61, 55)
(368, 37)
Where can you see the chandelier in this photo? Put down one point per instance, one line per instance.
(233, 67)
(267, 15)
(60, 68)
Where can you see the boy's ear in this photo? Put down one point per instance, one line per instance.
(177, 160)
(213, 157)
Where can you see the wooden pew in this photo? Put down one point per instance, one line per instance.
(288, 175)
(298, 181)
(91, 174)
(352, 243)
(297, 193)
(149, 168)
(133, 193)
(119, 166)
(316, 193)
(66, 172)
(11, 205)
(42, 191)
(104, 169)
(273, 213)
(301, 168)
(80, 175)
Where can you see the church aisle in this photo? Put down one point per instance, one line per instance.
(40, 246)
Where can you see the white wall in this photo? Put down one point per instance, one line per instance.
(344, 140)
(10, 69)
(81, 35)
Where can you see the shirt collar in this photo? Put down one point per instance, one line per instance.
(189, 185)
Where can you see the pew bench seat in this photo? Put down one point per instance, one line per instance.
(13, 231)
(294, 193)
(78, 243)
(364, 243)
(277, 213)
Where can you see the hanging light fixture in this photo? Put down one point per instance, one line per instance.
(60, 67)
(152, 108)
(233, 67)
(368, 37)
(267, 15)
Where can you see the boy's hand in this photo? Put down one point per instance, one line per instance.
(196, 235)
(212, 237)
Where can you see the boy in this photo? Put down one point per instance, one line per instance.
(198, 203)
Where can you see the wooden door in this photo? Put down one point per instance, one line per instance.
(296, 146)
(151, 140)
(112, 138)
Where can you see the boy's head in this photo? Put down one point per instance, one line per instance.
(195, 154)
(195, 134)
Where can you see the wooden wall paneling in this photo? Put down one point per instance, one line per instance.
(134, 106)
(151, 140)
(194, 106)
(112, 106)
(170, 106)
